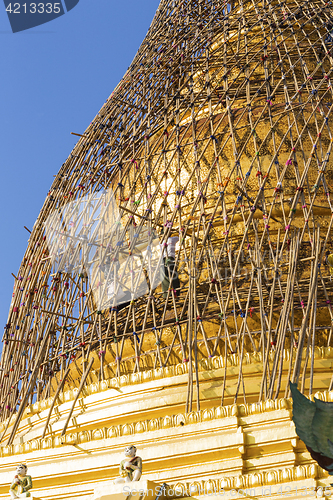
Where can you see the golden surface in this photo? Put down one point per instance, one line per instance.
(234, 446)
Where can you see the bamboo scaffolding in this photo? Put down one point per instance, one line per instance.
(219, 133)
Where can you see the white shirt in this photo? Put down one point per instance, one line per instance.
(171, 246)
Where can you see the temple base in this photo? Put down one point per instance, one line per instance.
(136, 490)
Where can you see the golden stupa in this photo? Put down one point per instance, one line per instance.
(219, 134)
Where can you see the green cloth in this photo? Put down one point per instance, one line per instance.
(314, 424)
(303, 413)
(25, 483)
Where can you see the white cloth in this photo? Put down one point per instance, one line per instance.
(111, 292)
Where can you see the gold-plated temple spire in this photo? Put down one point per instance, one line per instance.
(218, 134)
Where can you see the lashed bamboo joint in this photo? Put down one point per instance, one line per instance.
(219, 133)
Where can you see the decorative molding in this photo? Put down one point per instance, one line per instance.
(152, 425)
(165, 422)
(253, 480)
(205, 365)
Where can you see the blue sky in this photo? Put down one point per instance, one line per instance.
(54, 80)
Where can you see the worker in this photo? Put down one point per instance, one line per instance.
(329, 262)
(169, 274)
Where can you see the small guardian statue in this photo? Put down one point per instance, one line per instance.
(130, 468)
(21, 483)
